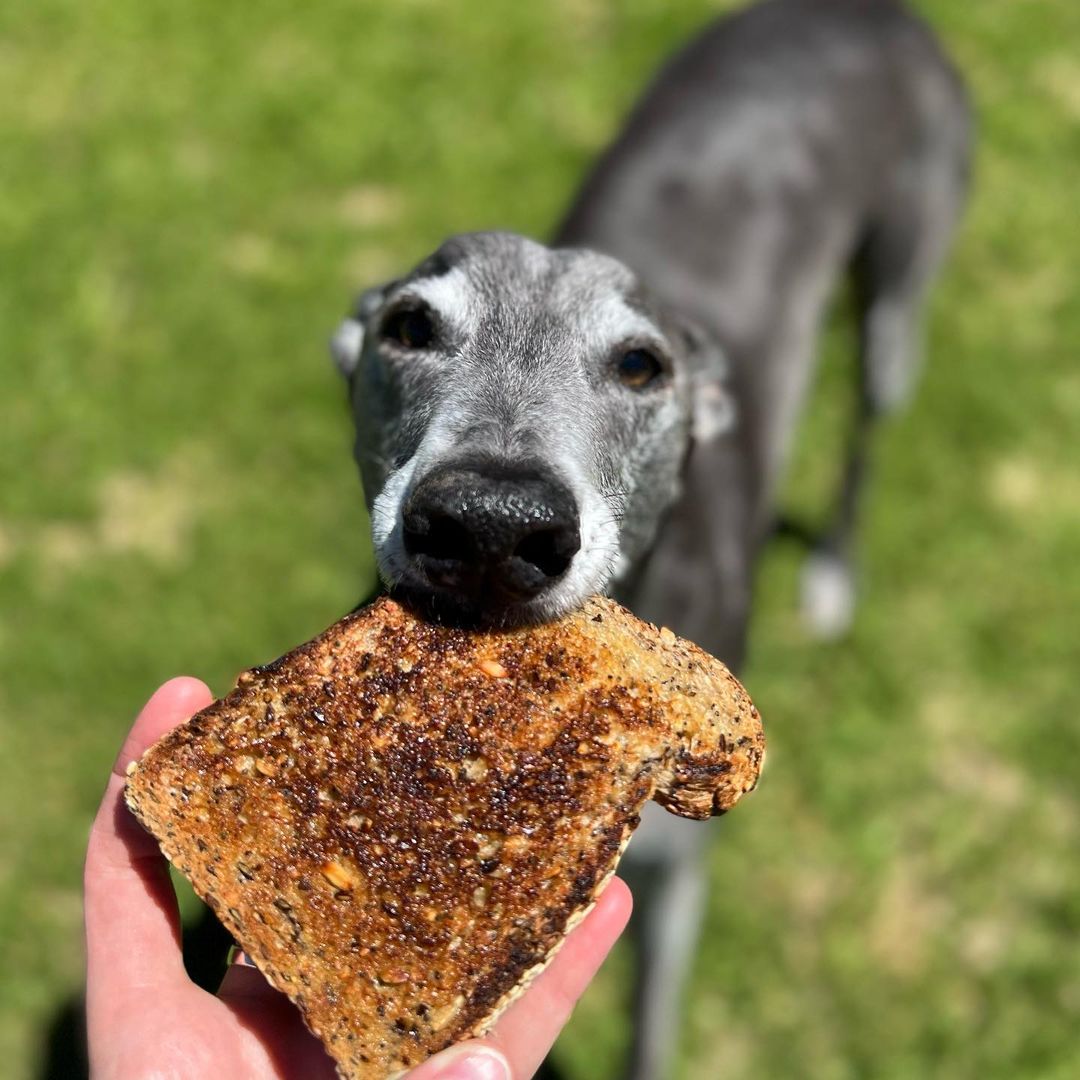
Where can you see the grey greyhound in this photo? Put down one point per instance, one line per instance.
(535, 424)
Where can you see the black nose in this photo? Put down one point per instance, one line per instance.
(490, 537)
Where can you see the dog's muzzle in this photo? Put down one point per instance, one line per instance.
(490, 539)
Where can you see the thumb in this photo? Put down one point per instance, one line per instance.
(473, 1060)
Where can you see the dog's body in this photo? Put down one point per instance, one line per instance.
(537, 424)
(783, 146)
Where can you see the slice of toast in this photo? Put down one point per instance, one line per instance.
(400, 822)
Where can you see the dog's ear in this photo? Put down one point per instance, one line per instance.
(713, 404)
(348, 340)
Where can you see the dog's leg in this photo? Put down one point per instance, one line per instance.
(669, 900)
(893, 270)
(697, 580)
(828, 579)
(666, 942)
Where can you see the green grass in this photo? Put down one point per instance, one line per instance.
(192, 192)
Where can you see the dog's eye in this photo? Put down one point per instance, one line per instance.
(411, 328)
(638, 368)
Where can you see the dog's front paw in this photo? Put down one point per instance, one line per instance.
(828, 595)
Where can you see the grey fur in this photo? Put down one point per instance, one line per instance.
(521, 372)
(787, 144)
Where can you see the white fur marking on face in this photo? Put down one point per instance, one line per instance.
(611, 320)
(390, 553)
(386, 510)
(598, 557)
(346, 345)
(450, 296)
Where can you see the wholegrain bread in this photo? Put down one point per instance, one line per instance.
(400, 821)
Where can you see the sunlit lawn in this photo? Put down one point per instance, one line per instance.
(191, 193)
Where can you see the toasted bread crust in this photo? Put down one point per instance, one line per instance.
(399, 821)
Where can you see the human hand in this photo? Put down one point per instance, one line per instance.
(146, 1018)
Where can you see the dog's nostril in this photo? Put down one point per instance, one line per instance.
(550, 550)
(444, 538)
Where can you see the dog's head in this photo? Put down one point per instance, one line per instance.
(522, 417)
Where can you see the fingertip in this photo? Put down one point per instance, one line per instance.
(600, 929)
(170, 705)
(179, 693)
(530, 1024)
(472, 1060)
(618, 899)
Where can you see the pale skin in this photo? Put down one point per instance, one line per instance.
(145, 1018)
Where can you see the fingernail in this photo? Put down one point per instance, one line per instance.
(469, 1063)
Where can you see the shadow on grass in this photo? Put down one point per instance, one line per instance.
(63, 1053)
